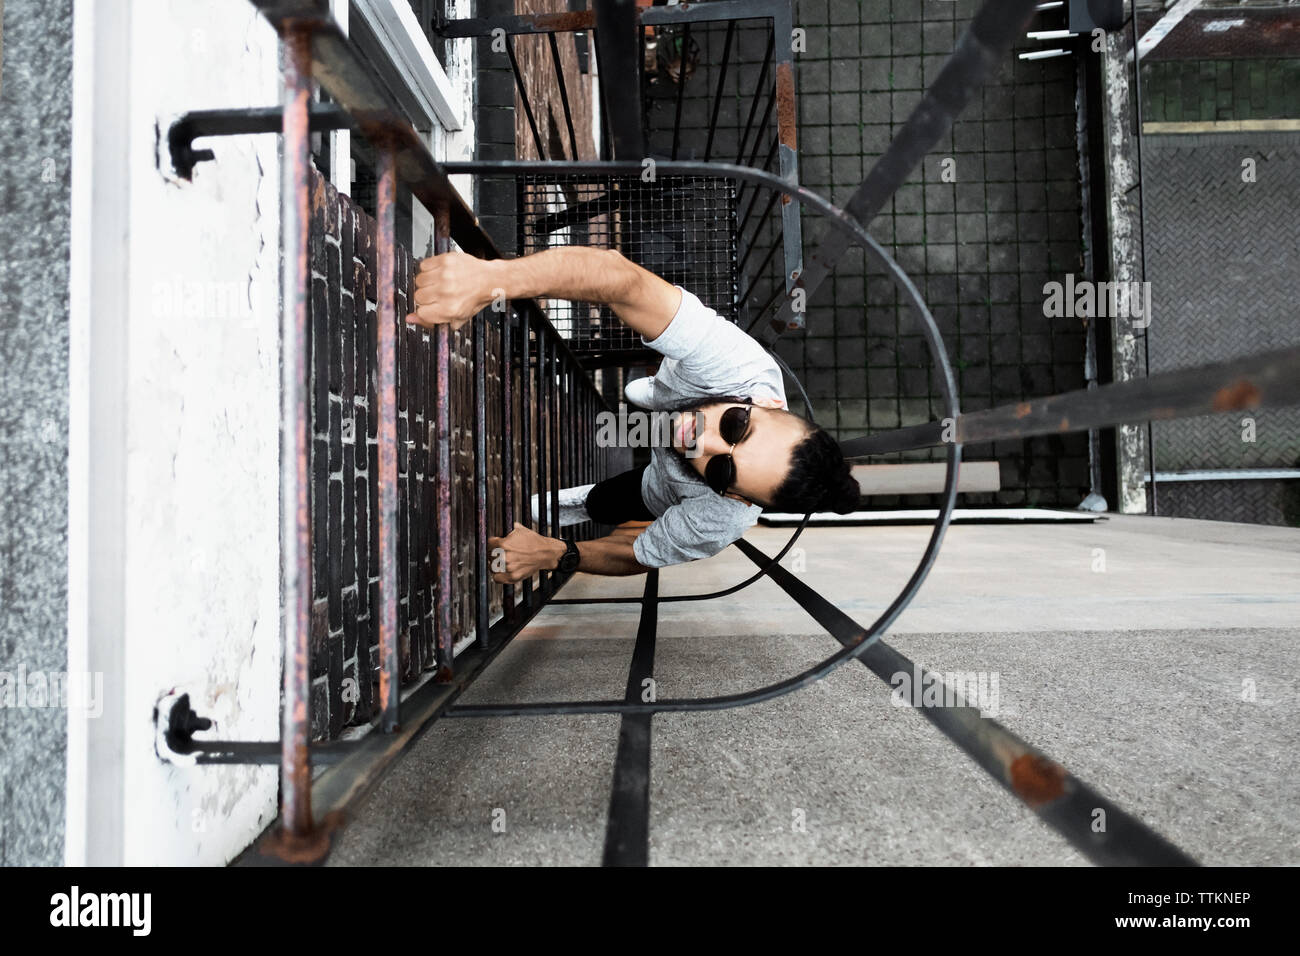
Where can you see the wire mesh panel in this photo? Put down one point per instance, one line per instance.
(713, 96)
(683, 229)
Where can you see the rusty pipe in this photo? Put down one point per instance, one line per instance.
(295, 442)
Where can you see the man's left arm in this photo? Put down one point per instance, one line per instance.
(452, 287)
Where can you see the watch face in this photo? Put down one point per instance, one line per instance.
(569, 561)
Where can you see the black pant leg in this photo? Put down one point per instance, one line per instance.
(618, 499)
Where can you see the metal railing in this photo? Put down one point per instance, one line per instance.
(541, 410)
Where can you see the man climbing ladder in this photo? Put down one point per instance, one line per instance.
(736, 451)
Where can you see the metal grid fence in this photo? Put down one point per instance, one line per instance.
(680, 228)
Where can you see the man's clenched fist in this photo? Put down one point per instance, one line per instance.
(451, 288)
(522, 553)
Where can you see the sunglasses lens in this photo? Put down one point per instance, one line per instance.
(719, 473)
(733, 424)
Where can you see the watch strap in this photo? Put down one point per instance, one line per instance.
(569, 560)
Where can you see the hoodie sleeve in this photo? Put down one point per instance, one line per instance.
(714, 355)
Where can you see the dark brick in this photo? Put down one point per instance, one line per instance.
(1004, 318)
(334, 298)
(347, 352)
(320, 709)
(348, 574)
(1031, 196)
(972, 257)
(973, 350)
(1041, 380)
(496, 126)
(496, 199)
(941, 289)
(316, 207)
(320, 514)
(318, 251)
(496, 88)
(361, 339)
(361, 515)
(402, 457)
(913, 351)
(365, 249)
(882, 382)
(999, 196)
(335, 435)
(335, 565)
(970, 195)
(372, 399)
(347, 233)
(1064, 226)
(975, 317)
(320, 354)
(914, 382)
(401, 344)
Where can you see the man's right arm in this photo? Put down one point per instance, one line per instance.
(453, 287)
(524, 552)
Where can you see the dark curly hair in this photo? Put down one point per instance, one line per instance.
(819, 478)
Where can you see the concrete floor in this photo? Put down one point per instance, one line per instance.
(1131, 676)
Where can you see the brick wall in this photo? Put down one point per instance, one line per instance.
(344, 468)
(537, 67)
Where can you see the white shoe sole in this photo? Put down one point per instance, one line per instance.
(640, 392)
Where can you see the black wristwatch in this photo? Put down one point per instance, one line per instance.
(569, 560)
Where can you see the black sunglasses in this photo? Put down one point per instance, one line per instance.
(720, 472)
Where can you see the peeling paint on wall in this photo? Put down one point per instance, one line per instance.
(1125, 224)
(202, 549)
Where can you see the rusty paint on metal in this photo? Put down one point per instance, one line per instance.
(304, 849)
(786, 124)
(560, 22)
(386, 395)
(1023, 409)
(1240, 394)
(1065, 424)
(295, 719)
(1036, 779)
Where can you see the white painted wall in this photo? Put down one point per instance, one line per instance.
(196, 276)
(203, 562)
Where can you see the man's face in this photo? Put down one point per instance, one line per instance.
(762, 457)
